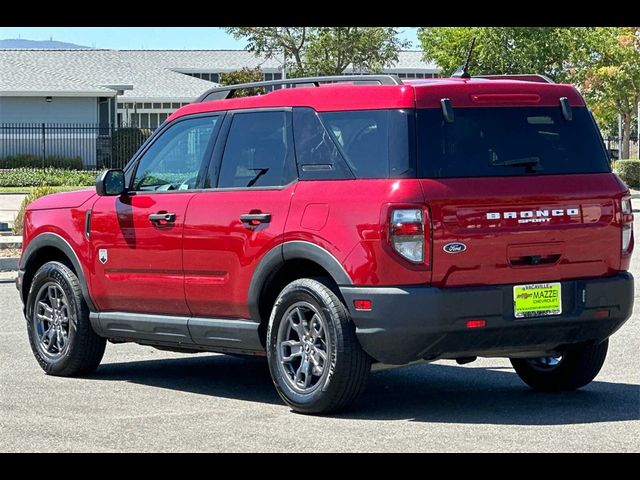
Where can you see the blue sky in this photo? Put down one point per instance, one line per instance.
(144, 37)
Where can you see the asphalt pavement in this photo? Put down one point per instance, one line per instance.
(142, 399)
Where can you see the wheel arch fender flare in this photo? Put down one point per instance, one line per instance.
(49, 239)
(279, 255)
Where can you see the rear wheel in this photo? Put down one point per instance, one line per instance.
(575, 368)
(60, 334)
(315, 359)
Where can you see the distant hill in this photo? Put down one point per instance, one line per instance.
(49, 44)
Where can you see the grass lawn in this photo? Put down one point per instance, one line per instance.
(28, 189)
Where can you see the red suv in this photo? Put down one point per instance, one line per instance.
(358, 220)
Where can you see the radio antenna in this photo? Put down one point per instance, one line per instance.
(463, 70)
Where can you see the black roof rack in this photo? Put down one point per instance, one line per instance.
(219, 93)
(525, 77)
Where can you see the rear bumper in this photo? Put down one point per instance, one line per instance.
(412, 323)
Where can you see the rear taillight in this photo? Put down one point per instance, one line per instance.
(627, 225)
(407, 234)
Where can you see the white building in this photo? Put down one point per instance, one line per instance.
(140, 87)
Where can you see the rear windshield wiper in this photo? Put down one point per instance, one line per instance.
(532, 163)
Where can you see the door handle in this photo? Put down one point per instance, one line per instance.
(162, 217)
(253, 219)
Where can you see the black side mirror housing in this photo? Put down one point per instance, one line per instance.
(110, 183)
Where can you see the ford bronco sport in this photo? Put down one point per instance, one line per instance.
(349, 221)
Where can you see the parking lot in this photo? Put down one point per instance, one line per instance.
(142, 399)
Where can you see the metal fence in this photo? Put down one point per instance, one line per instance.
(70, 145)
(613, 145)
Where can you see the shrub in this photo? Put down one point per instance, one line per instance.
(30, 177)
(629, 172)
(27, 160)
(124, 143)
(35, 193)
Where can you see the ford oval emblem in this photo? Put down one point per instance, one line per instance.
(454, 247)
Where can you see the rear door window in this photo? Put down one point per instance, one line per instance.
(258, 151)
(508, 141)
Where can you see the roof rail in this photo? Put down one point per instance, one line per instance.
(525, 77)
(228, 91)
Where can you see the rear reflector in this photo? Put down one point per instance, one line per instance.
(627, 233)
(363, 305)
(476, 323)
(601, 314)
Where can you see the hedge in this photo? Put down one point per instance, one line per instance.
(124, 143)
(629, 172)
(31, 177)
(26, 160)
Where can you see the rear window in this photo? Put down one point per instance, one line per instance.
(506, 141)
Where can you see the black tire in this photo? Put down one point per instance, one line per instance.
(85, 349)
(349, 365)
(578, 366)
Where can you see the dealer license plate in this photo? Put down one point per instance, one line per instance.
(537, 300)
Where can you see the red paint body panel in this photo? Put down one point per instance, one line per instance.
(221, 253)
(355, 231)
(68, 223)
(144, 270)
(588, 244)
(63, 200)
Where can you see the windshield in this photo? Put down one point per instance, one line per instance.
(508, 141)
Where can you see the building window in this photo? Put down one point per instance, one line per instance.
(215, 77)
(120, 105)
(166, 105)
(138, 105)
(157, 105)
(268, 76)
(128, 105)
(175, 105)
(144, 120)
(277, 76)
(153, 120)
(162, 117)
(184, 104)
(147, 106)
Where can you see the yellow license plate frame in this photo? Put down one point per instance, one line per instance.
(537, 300)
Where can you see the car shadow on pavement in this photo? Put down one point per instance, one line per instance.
(436, 393)
(242, 378)
(441, 393)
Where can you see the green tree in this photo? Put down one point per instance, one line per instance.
(611, 80)
(324, 50)
(544, 50)
(245, 75)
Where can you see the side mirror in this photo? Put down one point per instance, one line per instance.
(110, 183)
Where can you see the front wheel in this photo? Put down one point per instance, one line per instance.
(315, 359)
(575, 368)
(60, 333)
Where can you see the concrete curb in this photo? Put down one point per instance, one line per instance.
(8, 277)
(9, 264)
